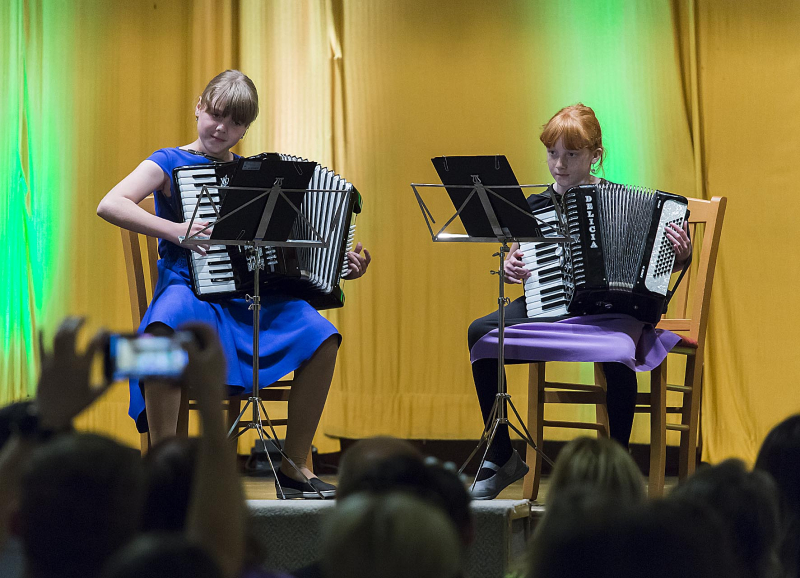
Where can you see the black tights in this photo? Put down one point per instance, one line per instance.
(621, 380)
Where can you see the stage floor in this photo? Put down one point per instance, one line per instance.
(263, 488)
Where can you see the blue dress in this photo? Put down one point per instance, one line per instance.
(291, 330)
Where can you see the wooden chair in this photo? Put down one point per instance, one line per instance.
(688, 317)
(141, 256)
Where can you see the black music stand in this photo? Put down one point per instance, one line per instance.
(267, 222)
(490, 213)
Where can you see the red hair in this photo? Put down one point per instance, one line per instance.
(579, 128)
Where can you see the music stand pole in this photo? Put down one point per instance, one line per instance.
(499, 413)
(255, 262)
(497, 221)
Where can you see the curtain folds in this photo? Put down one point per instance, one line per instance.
(17, 356)
(693, 96)
(748, 71)
(37, 183)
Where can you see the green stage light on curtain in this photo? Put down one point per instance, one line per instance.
(17, 367)
(48, 107)
(36, 187)
(609, 56)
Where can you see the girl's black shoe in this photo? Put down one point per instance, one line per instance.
(314, 489)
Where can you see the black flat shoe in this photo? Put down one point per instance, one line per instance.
(311, 490)
(503, 476)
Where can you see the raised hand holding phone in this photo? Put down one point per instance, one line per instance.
(65, 387)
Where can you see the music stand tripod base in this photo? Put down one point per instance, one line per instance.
(255, 261)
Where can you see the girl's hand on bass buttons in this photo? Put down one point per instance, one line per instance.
(681, 244)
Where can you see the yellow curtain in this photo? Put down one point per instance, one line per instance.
(694, 97)
(749, 86)
(138, 68)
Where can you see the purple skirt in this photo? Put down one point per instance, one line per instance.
(592, 338)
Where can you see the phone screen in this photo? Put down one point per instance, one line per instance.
(142, 356)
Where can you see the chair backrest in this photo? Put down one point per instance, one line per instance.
(141, 257)
(688, 311)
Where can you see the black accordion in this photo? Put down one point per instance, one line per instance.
(310, 273)
(617, 258)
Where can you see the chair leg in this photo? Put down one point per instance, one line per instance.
(601, 409)
(536, 378)
(144, 440)
(690, 417)
(658, 430)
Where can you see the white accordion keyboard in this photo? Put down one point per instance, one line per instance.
(213, 272)
(546, 290)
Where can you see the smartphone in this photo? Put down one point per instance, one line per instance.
(140, 356)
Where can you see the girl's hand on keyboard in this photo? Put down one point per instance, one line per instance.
(514, 268)
(197, 227)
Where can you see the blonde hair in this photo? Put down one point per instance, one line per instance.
(599, 463)
(231, 92)
(579, 128)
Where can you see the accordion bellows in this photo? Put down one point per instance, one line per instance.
(617, 260)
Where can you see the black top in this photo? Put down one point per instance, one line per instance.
(541, 200)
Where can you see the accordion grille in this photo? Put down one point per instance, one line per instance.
(625, 214)
(326, 213)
